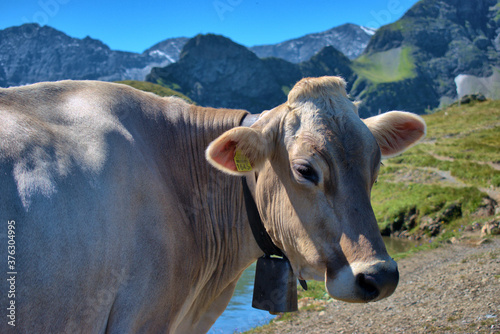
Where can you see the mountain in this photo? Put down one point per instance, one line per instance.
(439, 50)
(349, 38)
(169, 48)
(413, 63)
(214, 71)
(31, 53)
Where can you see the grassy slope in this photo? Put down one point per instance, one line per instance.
(154, 88)
(383, 81)
(387, 66)
(461, 140)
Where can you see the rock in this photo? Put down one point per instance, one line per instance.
(417, 235)
(454, 241)
(401, 224)
(465, 99)
(480, 97)
(490, 228)
(404, 234)
(487, 208)
(472, 97)
(431, 227)
(412, 221)
(451, 213)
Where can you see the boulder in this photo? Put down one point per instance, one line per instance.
(491, 228)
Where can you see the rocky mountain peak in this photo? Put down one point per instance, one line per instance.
(214, 47)
(31, 53)
(169, 48)
(214, 71)
(433, 43)
(348, 38)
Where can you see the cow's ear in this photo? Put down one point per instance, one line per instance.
(396, 131)
(238, 151)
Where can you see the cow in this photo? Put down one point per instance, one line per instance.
(124, 213)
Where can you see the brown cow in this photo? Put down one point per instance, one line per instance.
(122, 226)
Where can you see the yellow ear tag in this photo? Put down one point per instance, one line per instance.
(241, 161)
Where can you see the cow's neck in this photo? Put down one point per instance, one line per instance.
(212, 202)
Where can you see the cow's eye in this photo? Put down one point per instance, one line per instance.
(306, 172)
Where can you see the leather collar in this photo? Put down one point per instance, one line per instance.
(259, 231)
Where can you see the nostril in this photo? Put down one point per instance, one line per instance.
(368, 286)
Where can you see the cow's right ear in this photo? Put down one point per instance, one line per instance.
(238, 151)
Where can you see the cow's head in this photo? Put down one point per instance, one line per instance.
(316, 163)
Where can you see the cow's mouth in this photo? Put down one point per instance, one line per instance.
(363, 282)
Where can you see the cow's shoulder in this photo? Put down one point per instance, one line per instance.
(50, 130)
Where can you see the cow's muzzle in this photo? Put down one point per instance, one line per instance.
(363, 282)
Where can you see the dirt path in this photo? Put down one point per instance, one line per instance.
(493, 192)
(452, 289)
(435, 175)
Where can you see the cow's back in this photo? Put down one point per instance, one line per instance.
(80, 182)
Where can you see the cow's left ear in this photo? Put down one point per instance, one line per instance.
(238, 151)
(396, 131)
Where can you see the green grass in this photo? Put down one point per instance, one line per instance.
(387, 66)
(476, 146)
(459, 119)
(315, 290)
(154, 88)
(391, 200)
(462, 140)
(461, 167)
(465, 140)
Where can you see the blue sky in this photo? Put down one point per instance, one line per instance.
(134, 25)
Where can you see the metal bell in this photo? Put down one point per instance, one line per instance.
(275, 286)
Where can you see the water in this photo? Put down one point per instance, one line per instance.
(397, 245)
(240, 316)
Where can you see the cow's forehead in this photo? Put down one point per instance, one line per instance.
(322, 115)
(325, 95)
(342, 138)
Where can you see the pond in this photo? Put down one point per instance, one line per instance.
(398, 245)
(240, 316)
